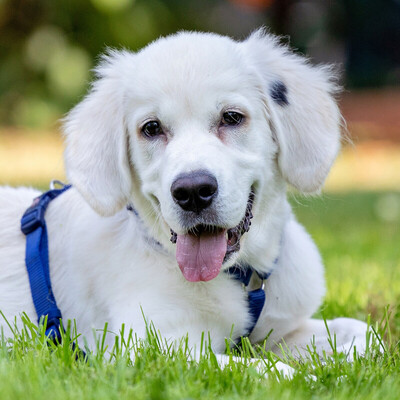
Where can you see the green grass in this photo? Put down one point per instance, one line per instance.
(358, 236)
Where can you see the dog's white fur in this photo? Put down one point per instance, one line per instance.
(105, 263)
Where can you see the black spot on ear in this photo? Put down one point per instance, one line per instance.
(278, 93)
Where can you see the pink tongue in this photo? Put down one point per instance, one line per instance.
(200, 257)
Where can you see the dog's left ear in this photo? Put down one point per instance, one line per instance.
(305, 117)
(96, 154)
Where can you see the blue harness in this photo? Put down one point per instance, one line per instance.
(33, 225)
(256, 297)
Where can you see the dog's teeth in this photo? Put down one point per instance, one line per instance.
(174, 236)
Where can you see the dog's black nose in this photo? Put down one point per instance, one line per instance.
(194, 191)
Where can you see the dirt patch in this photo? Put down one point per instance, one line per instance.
(369, 165)
(30, 158)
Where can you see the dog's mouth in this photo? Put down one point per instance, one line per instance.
(201, 251)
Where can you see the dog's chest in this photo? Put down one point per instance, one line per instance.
(127, 282)
(177, 307)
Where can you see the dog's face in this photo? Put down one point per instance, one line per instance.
(200, 143)
(196, 128)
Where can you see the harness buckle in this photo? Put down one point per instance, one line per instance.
(33, 218)
(259, 281)
(56, 183)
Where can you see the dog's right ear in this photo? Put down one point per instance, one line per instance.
(96, 155)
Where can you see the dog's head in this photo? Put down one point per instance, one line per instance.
(195, 128)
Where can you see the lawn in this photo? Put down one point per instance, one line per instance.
(358, 233)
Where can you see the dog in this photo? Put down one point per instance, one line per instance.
(175, 151)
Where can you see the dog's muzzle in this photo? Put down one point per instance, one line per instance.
(204, 248)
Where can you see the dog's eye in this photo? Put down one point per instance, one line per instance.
(152, 129)
(231, 118)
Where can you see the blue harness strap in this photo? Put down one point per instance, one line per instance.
(33, 225)
(256, 297)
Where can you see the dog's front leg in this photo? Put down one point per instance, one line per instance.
(344, 335)
(262, 366)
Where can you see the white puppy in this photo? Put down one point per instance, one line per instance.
(198, 133)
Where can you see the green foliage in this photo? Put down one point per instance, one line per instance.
(49, 47)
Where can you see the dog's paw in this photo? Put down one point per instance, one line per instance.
(261, 366)
(265, 368)
(353, 337)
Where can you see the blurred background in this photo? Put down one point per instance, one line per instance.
(48, 48)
